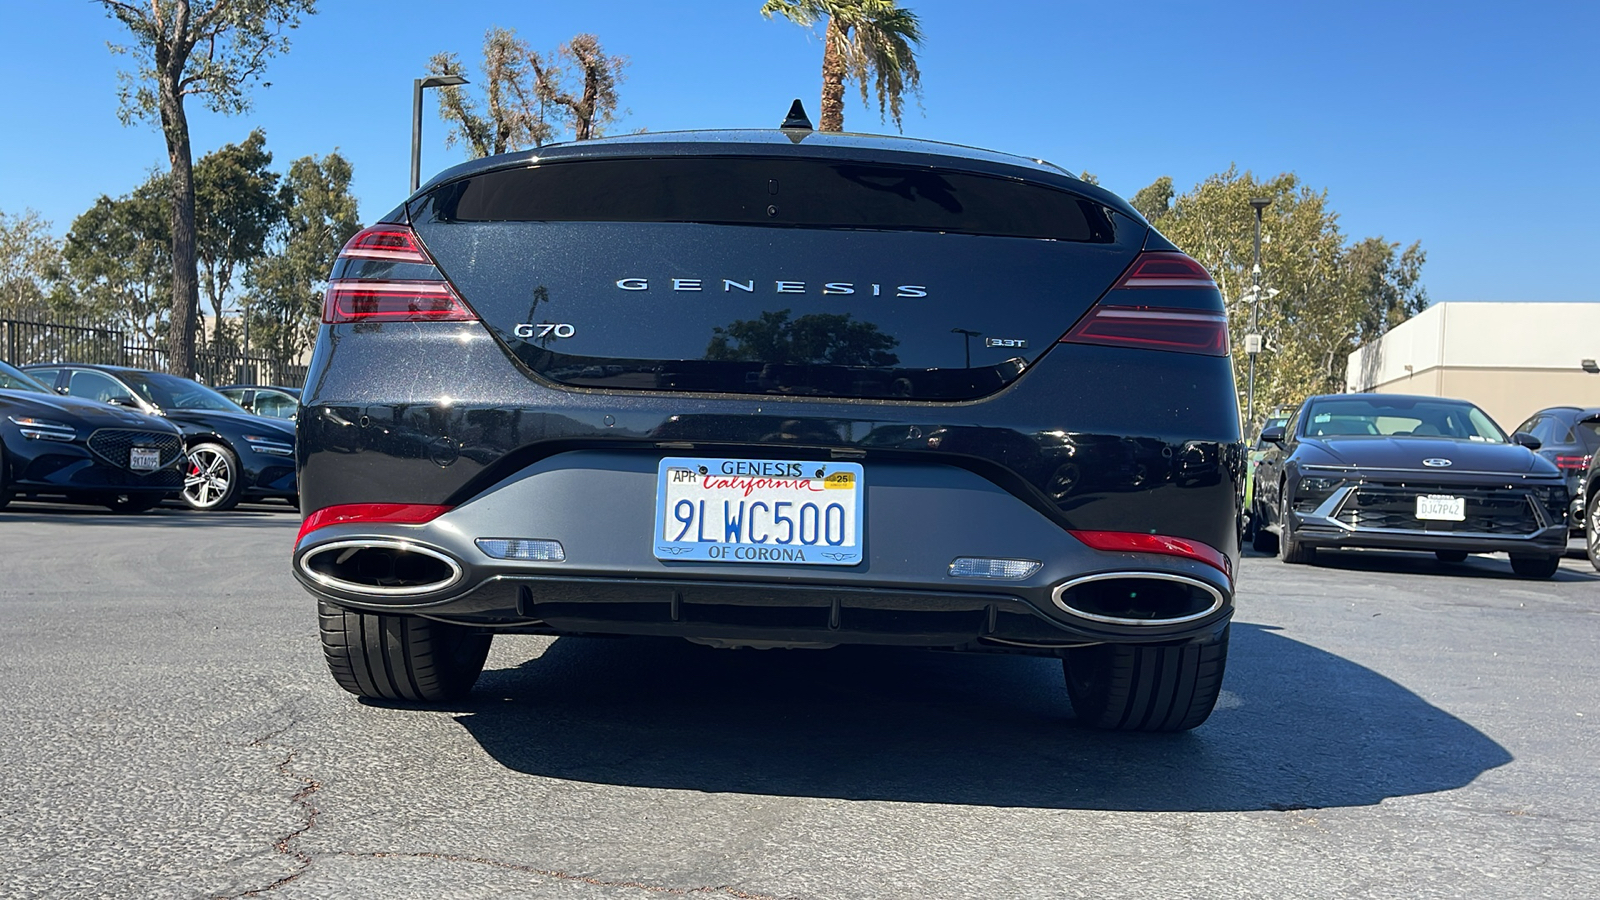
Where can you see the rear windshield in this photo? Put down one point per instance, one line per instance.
(1588, 434)
(1400, 417)
(805, 193)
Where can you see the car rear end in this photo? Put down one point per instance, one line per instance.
(778, 390)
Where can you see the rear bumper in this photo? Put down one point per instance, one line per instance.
(918, 518)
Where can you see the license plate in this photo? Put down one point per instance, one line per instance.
(759, 511)
(1442, 507)
(144, 459)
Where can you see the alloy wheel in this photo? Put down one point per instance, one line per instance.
(210, 475)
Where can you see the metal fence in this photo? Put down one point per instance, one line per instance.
(26, 343)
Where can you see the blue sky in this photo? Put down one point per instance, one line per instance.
(1473, 127)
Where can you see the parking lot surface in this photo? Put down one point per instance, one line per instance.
(1391, 727)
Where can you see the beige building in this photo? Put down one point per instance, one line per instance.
(1509, 358)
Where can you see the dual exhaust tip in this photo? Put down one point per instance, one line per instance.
(397, 568)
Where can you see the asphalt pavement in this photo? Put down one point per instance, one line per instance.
(1391, 726)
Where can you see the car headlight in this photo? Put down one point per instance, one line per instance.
(44, 429)
(269, 445)
(1310, 492)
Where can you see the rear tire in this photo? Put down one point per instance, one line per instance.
(1450, 556)
(1535, 566)
(397, 657)
(1132, 687)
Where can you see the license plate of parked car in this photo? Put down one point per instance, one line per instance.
(144, 459)
(759, 511)
(1442, 507)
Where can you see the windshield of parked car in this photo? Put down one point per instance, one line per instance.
(1400, 417)
(172, 392)
(14, 380)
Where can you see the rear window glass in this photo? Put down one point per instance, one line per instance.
(804, 193)
(1588, 434)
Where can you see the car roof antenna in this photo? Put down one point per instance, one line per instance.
(797, 117)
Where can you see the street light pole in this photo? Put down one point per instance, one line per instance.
(416, 119)
(1252, 340)
(966, 341)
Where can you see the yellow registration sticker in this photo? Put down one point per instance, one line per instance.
(840, 481)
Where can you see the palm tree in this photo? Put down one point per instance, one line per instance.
(865, 40)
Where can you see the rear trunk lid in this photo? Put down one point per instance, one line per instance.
(757, 275)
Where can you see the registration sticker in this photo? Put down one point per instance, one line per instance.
(144, 459)
(795, 512)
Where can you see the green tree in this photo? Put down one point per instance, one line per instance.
(30, 266)
(118, 255)
(286, 286)
(865, 41)
(236, 208)
(1331, 294)
(214, 50)
(833, 339)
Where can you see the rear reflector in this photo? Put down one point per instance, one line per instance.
(522, 548)
(1151, 328)
(359, 300)
(986, 567)
(1138, 542)
(1165, 270)
(394, 243)
(360, 513)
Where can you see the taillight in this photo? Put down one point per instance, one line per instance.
(386, 513)
(1139, 542)
(423, 296)
(1573, 463)
(1165, 270)
(1153, 326)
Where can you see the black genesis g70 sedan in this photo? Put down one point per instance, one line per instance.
(774, 389)
(63, 448)
(1408, 473)
(233, 455)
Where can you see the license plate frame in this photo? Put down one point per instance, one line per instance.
(144, 459)
(747, 483)
(1441, 508)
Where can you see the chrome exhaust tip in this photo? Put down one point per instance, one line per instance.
(380, 567)
(1138, 598)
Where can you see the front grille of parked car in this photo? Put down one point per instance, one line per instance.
(1488, 510)
(114, 445)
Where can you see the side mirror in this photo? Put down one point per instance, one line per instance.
(1273, 435)
(1526, 440)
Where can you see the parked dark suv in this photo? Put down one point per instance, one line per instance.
(1568, 436)
(774, 389)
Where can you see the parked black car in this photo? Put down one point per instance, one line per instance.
(1408, 473)
(774, 389)
(233, 455)
(62, 448)
(273, 402)
(1568, 436)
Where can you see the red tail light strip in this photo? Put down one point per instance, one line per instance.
(394, 243)
(1165, 270)
(1573, 463)
(388, 513)
(1185, 330)
(1138, 542)
(393, 301)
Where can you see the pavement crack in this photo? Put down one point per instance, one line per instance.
(704, 890)
(284, 844)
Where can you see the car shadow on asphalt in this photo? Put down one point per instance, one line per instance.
(169, 514)
(1404, 562)
(1297, 728)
